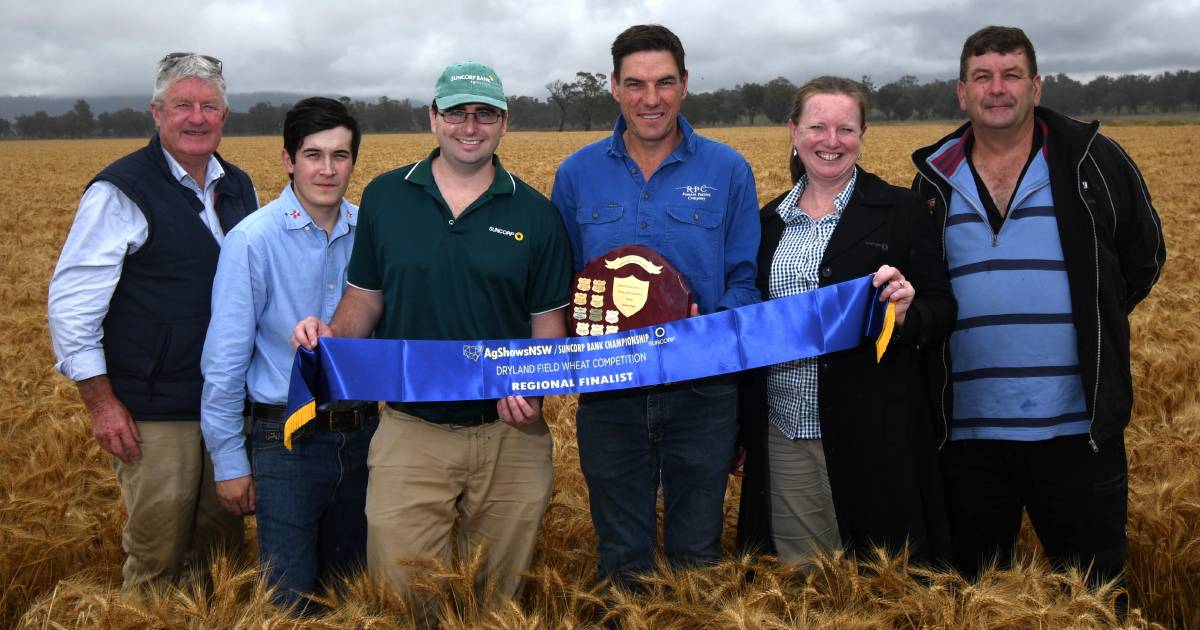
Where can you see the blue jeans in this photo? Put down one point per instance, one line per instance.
(312, 525)
(681, 435)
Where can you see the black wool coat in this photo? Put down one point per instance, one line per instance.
(876, 424)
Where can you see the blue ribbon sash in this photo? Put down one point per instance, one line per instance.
(829, 319)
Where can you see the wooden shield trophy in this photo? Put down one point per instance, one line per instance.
(629, 287)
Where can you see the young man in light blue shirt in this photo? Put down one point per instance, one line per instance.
(283, 263)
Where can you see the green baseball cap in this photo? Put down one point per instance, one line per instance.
(469, 82)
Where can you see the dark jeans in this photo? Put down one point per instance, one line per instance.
(681, 435)
(1077, 501)
(312, 525)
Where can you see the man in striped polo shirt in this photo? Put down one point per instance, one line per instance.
(1051, 240)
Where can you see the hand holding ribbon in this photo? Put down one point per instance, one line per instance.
(829, 319)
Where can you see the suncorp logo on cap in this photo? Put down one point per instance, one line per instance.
(472, 77)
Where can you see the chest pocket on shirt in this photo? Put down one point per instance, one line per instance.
(599, 227)
(695, 238)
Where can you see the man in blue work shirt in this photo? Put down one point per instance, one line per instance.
(284, 262)
(657, 183)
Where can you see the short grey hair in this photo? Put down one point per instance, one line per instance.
(178, 66)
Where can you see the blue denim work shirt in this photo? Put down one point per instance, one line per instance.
(276, 268)
(699, 210)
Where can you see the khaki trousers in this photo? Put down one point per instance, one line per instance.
(175, 520)
(496, 479)
(802, 516)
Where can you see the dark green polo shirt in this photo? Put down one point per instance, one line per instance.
(480, 276)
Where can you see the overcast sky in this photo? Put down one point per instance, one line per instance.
(369, 48)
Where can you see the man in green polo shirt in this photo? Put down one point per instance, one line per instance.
(455, 247)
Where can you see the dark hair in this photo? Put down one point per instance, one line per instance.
(825, 85)
(1000, 40)
(646, 38)
(314, 115)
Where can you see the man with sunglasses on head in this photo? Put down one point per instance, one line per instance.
(128, 310)
(455, 247)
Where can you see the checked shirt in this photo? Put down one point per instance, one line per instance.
(792, 386)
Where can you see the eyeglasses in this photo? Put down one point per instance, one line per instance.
(173, 58)
(482, 116)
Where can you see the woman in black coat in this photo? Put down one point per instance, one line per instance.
(872, 426)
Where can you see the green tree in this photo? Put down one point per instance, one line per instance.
(36, 125)
(753, 95)
(527, 112)
(592, 93)
(563, 95)
(1063, 94)
(896, 100)
(778, 95)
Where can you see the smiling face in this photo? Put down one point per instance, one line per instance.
(650, 91)
(190, 119)
(999, 92)
(321, 170)
(828, 137)
(468, 145)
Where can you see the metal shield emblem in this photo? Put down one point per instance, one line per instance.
(629, 294)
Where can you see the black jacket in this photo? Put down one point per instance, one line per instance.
(1113, 245)
(157, 318)
(876, 426)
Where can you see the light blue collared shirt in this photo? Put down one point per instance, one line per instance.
(108, 227)
(276, 268)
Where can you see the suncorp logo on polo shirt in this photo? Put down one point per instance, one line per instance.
(516, 236)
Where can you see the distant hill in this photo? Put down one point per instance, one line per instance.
(13, 106)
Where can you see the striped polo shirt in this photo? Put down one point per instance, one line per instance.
(1013, 351)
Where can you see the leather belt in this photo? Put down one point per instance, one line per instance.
(487, 417)
(342, 420)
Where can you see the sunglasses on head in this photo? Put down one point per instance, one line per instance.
(176, 57)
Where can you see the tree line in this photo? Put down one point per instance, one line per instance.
(584, 103)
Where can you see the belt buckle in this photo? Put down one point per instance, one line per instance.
(478, 421)
(347, 420)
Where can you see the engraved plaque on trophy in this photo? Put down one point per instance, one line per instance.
(629, 287)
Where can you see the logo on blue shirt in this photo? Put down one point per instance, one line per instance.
(697, 193)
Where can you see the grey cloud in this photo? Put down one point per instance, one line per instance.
(368, 48)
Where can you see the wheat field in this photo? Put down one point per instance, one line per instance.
(60, 508)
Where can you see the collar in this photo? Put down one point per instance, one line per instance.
(295, 217)
(1068, 135)
(789, 211)
(212, 172)
(686, 147)
(1038, 144)
(421, 173)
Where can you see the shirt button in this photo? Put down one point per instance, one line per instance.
(642, 225)
(695, 216)
(451, 221)
(330, 285)
(645, 195)
(595, 215)
(633, 170)
(826, 272)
